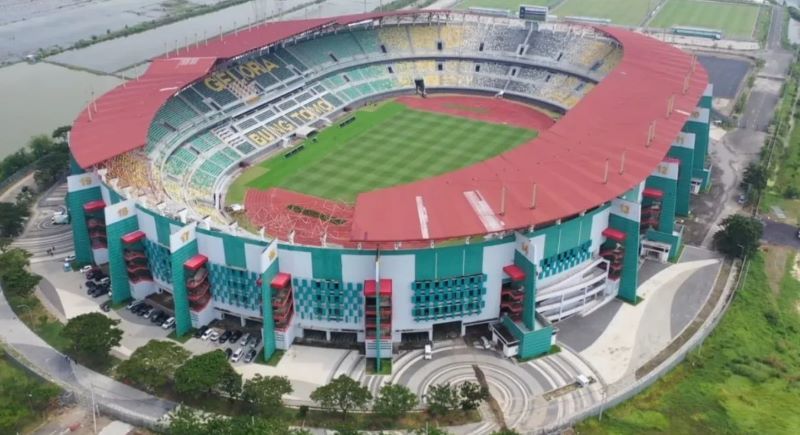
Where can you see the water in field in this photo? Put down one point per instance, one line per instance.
(39, 98)
(121, 53)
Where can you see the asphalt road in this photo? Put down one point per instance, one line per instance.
(778, 233)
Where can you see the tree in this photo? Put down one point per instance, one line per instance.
(442, 399)
(60, 133)
(91, 336)
(12, 219)
(207, 373)
(40, 145)
(49, 168)
(431, 430)
(186, 421)
(264, 393)
(342, 394)
(14, 275)
(153, 365)
(755, 177)
(472, 394)
(394, 401)
(21, 398)
(739, 236)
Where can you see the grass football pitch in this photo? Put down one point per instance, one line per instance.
(625, 12)
(385, 145)
(734, 19)
(512, 5)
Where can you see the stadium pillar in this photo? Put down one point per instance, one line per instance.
(523, 258)
(683, 151)
(183, 246)
(699, 125)
(270, 267)
(81, 188)
(120, 220)
(665, 179)
(626, 216)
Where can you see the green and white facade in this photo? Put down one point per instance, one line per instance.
(520, 282)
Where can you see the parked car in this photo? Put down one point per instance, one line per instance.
(133, 304)
(214, 335)
(207, 334)
(169, 323)
(228, 352)
(90, 284)
(251, 341)
(86, 269)
(245, 339)
(106, 306)
(235, 336)
(69, 258)
(225, 336)
(142, 309)
(250, 355)
(155, 316)
(104, 280)
(486, 343)
(257, 341)
(201, 332)
(237, 355)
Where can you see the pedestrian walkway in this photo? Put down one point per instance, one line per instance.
(112, 397)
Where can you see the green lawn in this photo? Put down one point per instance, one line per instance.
(512, 5)
(744, 379)
(384, 146)
(625, 12)
(734, 19)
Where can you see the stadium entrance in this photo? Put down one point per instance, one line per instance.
(414, 340)
(447, 331)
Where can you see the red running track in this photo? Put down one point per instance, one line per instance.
(488, 109)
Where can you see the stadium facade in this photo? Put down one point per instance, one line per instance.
(551, 229)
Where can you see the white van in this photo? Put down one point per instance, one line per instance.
(237, 354)
(428, 352)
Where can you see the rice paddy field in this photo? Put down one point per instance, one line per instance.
(382, 146)
(734, 19)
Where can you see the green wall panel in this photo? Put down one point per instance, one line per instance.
(529, 299)
(666, 222)
(183, 319)
(234, 251)
(162, 229)
(80, 234)
(684, 186)
(532, 343)
(327, 264)
(630, 263)
(266, 304)
(120, 286)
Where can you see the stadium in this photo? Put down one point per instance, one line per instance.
(387, 179)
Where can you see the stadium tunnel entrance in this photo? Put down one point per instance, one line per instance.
(447, 331)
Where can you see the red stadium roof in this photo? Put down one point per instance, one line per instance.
(566, 163)
(118, 121)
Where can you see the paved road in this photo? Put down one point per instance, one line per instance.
(74, 377)
(41, 235)
(778, 233)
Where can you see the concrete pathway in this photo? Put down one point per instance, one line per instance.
(111, 396)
